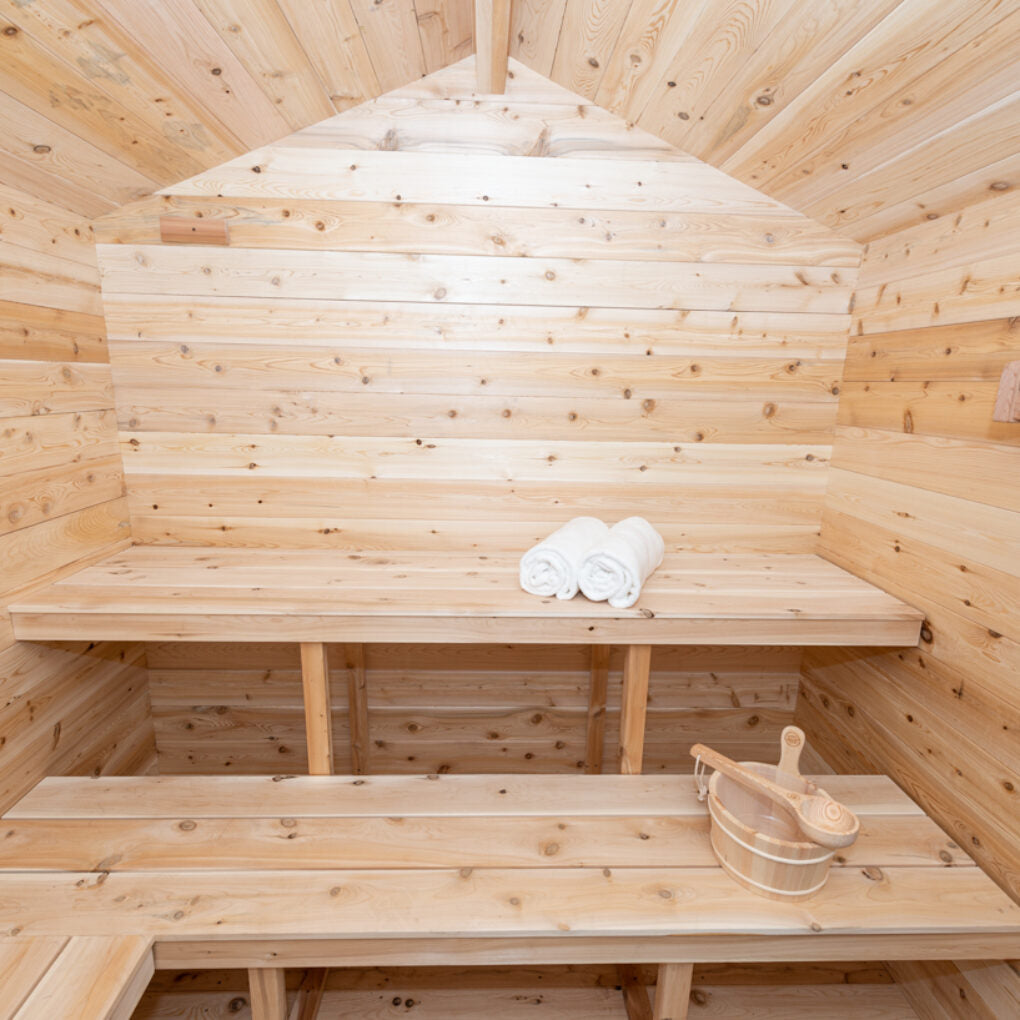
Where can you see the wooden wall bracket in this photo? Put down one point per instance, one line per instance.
(1007, 403)
(190, 230)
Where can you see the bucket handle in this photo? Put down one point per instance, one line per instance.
(699, 779)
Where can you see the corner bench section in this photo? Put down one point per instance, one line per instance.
(78, 978)
(264, 873)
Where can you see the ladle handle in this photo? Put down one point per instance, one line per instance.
(746, 777)
(819, 817)
(791, 743)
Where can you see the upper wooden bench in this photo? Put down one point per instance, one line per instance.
(155, 593)
(265, 873)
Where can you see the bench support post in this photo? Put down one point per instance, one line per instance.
(635, 994)
(596, 730)
(636, 667)
(318, 716)
(357, 706)
(673, 991)
(310, 993)
(268, 993)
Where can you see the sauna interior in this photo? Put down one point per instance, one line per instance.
(315, 315)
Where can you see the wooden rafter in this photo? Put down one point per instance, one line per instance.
(492, 44)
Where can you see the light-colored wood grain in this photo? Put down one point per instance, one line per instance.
(35, 333)
(486, 894)
(596, 725)
(726, 949)
(677, 607)
(392, 38)
(357, 708)
(332, 41)
(178, 230)
(634, 707)
(446, 31)
(262, 39)
(387, 796)
(523, 223)
(282, 903)
(268, 992)
(466, 279)
(537, 999)
(310, 994)
(673, 990)
(588, 33)
(494, 230)
(318, 708)
(92, 977)
(1007, 402)
(492, 42)
(566, 840)
(636, 1003)
(918, 412)
(23, 962)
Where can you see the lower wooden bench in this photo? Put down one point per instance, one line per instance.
(79, 978)
(300, 871)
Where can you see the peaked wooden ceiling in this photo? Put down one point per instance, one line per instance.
(869, 115)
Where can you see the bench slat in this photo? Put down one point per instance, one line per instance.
(556, 841)
(93, 979)
(405, 796)
(367, 904)
(23, 963)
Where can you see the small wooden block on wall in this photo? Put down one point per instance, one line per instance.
(188, 230)
(1007, 404)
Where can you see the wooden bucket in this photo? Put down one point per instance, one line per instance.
(758, 842)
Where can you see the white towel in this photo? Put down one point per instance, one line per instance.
(620, 564)
(551, 567)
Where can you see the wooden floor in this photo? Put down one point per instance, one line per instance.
(201, 594)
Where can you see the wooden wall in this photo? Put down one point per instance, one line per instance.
(476, 708)
(66, 709)
(924, 500)
(451, 323)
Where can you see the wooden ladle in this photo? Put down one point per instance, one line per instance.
(821, 818)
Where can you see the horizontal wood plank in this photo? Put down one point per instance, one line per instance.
(492, 901)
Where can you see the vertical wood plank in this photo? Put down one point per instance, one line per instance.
(492, 44)
(596, 728)
(318, 723)
(635, 704)
(309, 995)
(357, 702)
(268, 992)
(673, 991)
(635, 994)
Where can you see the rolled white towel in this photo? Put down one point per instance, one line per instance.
(620, 564)
(551, 567)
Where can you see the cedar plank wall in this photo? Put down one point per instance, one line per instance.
(924, 500)
(63, 709)
(374, 364)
